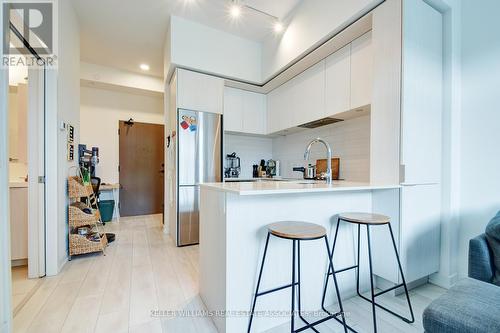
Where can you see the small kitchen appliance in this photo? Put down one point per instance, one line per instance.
(309, 172)
(233, 166)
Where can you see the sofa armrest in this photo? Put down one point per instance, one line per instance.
(480, 259)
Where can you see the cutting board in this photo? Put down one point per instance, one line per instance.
(321, 167)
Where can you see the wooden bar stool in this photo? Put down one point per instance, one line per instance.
(297, 232)
(369, 220)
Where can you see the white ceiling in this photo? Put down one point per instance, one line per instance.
(125, 33)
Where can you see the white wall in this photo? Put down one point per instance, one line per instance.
(116, 77)
(68, 110)
(250, 149)
(203, 48)
(311, 21)
(100, 112)
(480, 134)
(349, 140)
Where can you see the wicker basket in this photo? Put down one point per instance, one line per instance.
(78, 218)
(76, 188)
(80, 244)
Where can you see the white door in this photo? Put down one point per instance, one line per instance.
(36, 172)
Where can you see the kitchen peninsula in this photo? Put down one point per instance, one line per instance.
(233, 217)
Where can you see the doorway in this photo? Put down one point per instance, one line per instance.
(141, 168)
(26, 136)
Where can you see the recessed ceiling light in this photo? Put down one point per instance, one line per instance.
(235, 10)
(278, 27)
(144, 67)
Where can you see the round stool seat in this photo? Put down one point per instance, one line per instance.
(365, 218)
(296, 230)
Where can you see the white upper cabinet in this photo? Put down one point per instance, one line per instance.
(308, 95)
(233, 110)
(244, 111)
(279, 102)
(361, 71)
(338, 78)
(254, 113)
(199, 92)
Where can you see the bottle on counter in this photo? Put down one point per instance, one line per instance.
(255, 172)
(277, 168)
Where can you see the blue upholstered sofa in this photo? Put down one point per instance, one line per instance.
(473, 304)
(480, 259)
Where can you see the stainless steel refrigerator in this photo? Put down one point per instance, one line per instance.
(199, 160)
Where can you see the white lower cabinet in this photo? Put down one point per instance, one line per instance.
(244, 111)
(19, 222)
(416, 226)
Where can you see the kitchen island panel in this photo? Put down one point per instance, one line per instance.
(232, 247)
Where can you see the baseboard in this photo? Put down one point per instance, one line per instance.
(383, 284)
(443, 281)
(60, 265)
(19, 262)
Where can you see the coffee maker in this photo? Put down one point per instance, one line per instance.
(233, 167)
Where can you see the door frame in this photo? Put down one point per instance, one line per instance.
(5, 272)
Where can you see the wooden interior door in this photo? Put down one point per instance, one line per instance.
(141, 168)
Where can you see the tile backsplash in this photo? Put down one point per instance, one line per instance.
(349, 140)
(250, 149)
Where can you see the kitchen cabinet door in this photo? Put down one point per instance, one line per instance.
(279, 102)
(422, 94)
(254, 113)
(233, 109)
(420, 230)
(199, 92)
(338, 81)
(361, 71)
(307, 95)
(19, 222)
(416, 224)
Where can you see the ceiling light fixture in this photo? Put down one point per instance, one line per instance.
(278, 27)
(235, 10)
(144, 67)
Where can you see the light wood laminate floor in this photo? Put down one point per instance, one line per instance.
(144, 271)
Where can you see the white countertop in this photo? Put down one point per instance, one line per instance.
(285, 187)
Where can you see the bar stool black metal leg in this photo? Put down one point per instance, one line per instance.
(402, 278)
(371, 279)
(374, 295)
(357, 269)
(329, 269)
(298, 286)
(339, 299)
(293, 289)
(258, 283)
